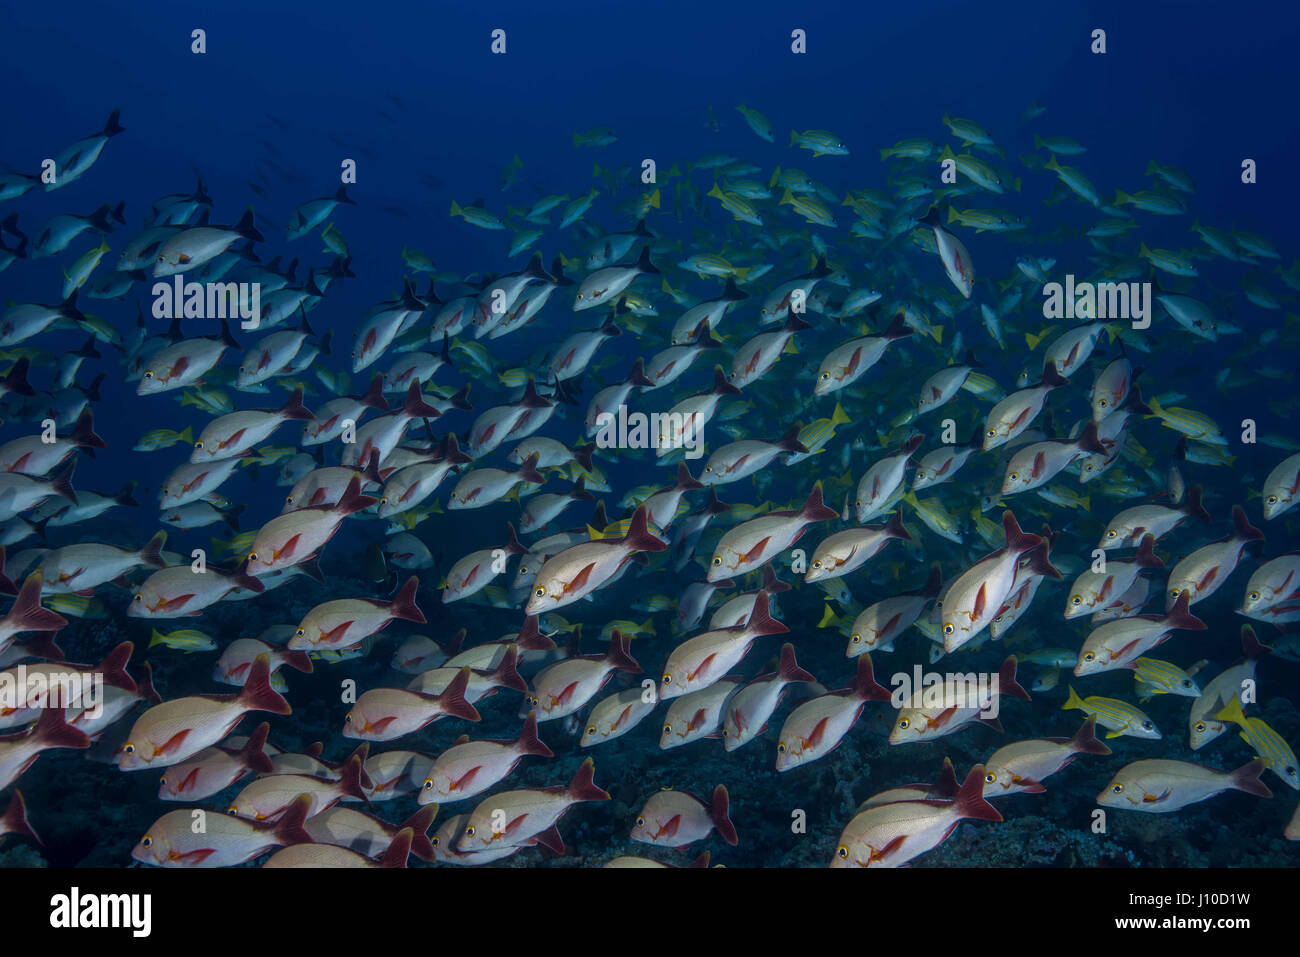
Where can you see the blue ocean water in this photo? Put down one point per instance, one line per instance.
(415, 96)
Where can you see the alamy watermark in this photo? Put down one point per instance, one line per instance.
(662, 431)
(941, 690)
(179, 299)
(1101, 300)
(21, 690)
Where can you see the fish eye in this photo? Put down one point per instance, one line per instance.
(1117, 789)
(717, 560)
(199, 444)
(348, 719)
(428, 784)
(232, 811)
(640, 822)
(1254, 596)
(591, 729)
(532, 699)
(383, 500)
(435, 841)
(1102, 403)
(540, 593)
(998, 619)
(1110, 533)
(148, 374)
(1088, 466)
(1076, 600)
(1175, 592)
(668, 729)
(129, 749)
(147, 841)
(252, 556)
(163, 779)
(299, 633)
(708, 468)
(1146, 725)
(1089, 657)
(855, 639)
(1200, 727)
(991, 432)
(668, 679)
(579, 297)
(841, 852)
(904, 724)
(471, 831)
(990, 778)
(948, 628)
(1272, 500)
(1014, 476)
(780, 748)
(825, 376)
(139, 596)
(817, 564)
(523, 569)
(1187, 682)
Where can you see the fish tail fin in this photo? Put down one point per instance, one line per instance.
(418, 824)
(1193, 506)
(26, 613)
(1085, 739)
(760, 620)
(14, 820)
(1232, 711)
(403, 605)
(619, 654)
(583, 786)
(1246, 778)
(1251, 646)
(1007, 683)
(258, 695)
(685, 481)
(828, 617)
(529, 742)
(531, 638)
(452, 699)
(506, 674)
(1241, 527)
(788, 669)
(719, 814)
(970, 802)
(294, 409)
(151, 554)
(864, 684)
(814, 509)
(350, 782)
(246, 227)
(54, 732)
(289, 828)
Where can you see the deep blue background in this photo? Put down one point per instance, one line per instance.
(1199, 85)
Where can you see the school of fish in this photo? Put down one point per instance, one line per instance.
(775, 385)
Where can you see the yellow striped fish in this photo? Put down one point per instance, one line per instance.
(183, 639)
(1155, 677)
(1117, 717)
(1270, 746)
